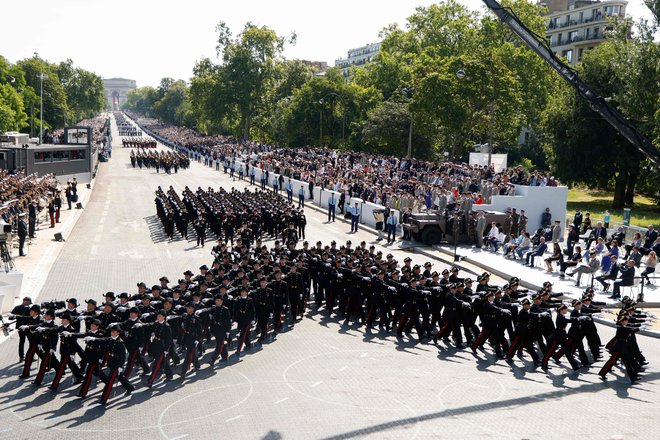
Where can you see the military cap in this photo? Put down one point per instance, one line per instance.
(489, 293)
(416, 266)
(576, 302)
(621, 319)
(445, 271)
(562, 307)
(460, 284)
(453, 286)
(219, 296)
(407, 259)
(110, 295)
(428, 264)
(188, 272)
(162, 312)
(66, 315)
(164, 279)
(123, 295)
(134, 310)
(390, 256)
(142, 284)
(95, 322)
(91, 301)
(115, 326)
(73, 301)
(435, 274)
(467, 280)
(525, 301)
(155, 287)
(454, 269)
(109, 304)
(506, 286)
(547, 284)
(203, 267)
(190, 304)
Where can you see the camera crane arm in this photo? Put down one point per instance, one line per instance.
(596, 102)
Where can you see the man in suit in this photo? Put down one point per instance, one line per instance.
(599, 231)
(577, 220)
(556, 232)
(32, 217)
(609, 274)
(538, 251)
(481, 227)
(627, 278)
(22, 234)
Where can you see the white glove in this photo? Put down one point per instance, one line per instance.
(198, 312)
(301, 297)
(80, 318)
(546, 314)
(121, 309)
(138, 325)
(140, 349)
(144, 315)
(52, 351)
(227, 334)
(41, 329)
(89, 338)
(66, 334)
(167, 353)
(271, 316)
(23, 327)
(11, 316)
(120, 370)
(196, 342)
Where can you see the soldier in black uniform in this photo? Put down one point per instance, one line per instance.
(116, 351)
(280, 291)
(68, 349)
(92, 356)
(243, 314)
(22, 315)
(220, 326)
(522, 334)
(48, 344)
(160, 346)
(134, 339)
(200, 230)
(192, 334)
(490, 325)
(263, 304)
(559, 338)
(621, 348)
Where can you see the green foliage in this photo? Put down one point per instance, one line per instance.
(84, 91)
(141, 100)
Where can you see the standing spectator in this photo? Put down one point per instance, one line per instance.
(57, 201)
(481, 227)
(586, 224)
(355, 218)
(406, 216)
(51, 212)
(22, 234)
(546, 218)
(577, 220)
(556, 232)
(32, 217)
(606, 219)
(69, 194)
(379, 218)
(391, 227)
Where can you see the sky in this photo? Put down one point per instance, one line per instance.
(146, 40)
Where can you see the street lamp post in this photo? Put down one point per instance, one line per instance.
(408, 92)
(321, 101)
(41, 112)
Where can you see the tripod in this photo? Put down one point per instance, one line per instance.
(7, 261)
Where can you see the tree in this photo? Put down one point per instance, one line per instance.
(174, 106)
(54, 95)
(84, 90)
(12, 84)
(141, 100)
(247, 72)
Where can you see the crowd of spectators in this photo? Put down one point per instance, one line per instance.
(397, 183)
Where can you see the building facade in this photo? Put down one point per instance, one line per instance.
(575, 26)
(116, 90)
(358, 57)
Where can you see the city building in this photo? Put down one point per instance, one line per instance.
(358, 57)
(116, 90)
(575, 26)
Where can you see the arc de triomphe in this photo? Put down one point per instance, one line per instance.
(116, 90)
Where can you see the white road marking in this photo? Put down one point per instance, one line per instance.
(343, 368)
(315, 384)
(280, 401)
(477, 385)
(5, 430)
(234, 418)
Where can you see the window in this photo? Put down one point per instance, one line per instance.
(569, 55)
(572, 36)
(587, 33)
(580, 52)
(59, 156)
(42, 156)
(596, 32)
(77, 154)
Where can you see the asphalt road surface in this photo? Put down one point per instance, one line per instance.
(320, 380)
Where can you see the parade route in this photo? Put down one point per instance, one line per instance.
(321, 380)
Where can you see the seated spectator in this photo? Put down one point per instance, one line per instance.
(524, 246)
(591, 267)
(619, 236)
(598, 232)
(511, 246)
(636, 241)
(493, 234)
(574, 260)
(627, 278)
(557, 255)
(538, 251)
(613, 249)
(651, 262)
(636, 256)
(610, 274)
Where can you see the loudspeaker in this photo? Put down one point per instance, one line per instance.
(79, 205)
(58, 237)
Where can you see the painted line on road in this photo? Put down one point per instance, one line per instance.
(315, 384)
(5, 430)
(280, 401)
(477, 385)
(234, 418)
